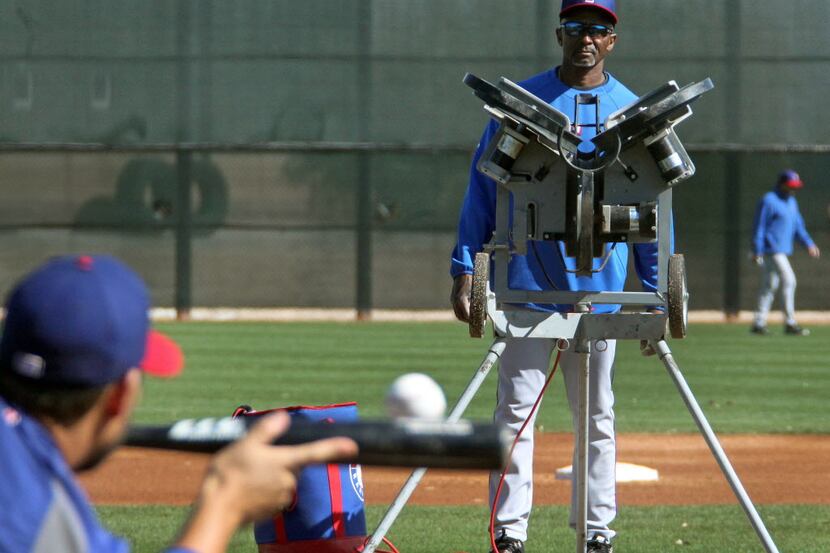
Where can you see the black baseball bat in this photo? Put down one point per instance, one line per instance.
(398, 442)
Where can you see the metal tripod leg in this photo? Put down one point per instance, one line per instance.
(414, 479)
(580, 470)
(712, 441)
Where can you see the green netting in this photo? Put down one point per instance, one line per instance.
(242, 70)
(281, 228)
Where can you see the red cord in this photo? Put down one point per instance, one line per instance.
(510, 455)
(392, 548)
(504, 472)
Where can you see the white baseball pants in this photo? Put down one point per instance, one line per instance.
(522, 372)
(776, 271)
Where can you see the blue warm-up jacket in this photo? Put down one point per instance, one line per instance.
(777, 222)
(42, 508)
(477, 219)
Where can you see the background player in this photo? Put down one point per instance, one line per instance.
(587, 36)
(75, 335)
(777, 222)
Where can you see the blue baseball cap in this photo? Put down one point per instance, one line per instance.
(609, 7)
(790, 179)
(83, 321)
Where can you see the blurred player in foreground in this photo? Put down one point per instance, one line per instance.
(777, 222)
(587, 35)
(75, 342)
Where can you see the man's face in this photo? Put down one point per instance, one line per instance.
(114, 418)
(584, 50)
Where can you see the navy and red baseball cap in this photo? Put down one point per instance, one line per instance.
(609, 7)
(790, 179)
(83, 322)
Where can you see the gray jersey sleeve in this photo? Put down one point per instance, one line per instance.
(62, 529)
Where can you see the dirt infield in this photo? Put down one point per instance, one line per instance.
(773, 469)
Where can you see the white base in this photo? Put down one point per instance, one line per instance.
(626, 472)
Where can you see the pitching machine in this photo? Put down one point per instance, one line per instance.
(551, 188)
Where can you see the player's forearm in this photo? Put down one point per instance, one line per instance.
(803, 236)
(757, 242)
(213, 521)
(645, 265)
(477, 219)
(474, 229)
(759, 229)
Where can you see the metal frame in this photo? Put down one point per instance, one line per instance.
(493, 355)
(583, 347)
(533, 139)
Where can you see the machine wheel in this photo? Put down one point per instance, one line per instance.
(478, 295)
(678, 297)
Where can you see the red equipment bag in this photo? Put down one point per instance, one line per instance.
(328, 512)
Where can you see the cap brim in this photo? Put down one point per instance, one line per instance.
(605, 10)
(793, 184)
(162, 356)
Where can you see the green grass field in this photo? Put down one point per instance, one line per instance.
(712, 529)
(745, 383)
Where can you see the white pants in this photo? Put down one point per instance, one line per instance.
(522, 372)
(776, 270)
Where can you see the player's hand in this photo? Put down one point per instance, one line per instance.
(251, 480)
(759, 260)
(460, 297)
(814, 251)
(257, 479)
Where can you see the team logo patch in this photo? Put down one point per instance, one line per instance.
(356, 478)
(11, 416)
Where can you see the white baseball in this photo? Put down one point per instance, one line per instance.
(415, 395)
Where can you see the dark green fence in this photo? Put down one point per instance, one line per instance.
(342, 134)
(340, 225)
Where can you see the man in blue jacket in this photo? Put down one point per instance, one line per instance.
(587, 35)
(75, 343)
(777, 222)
